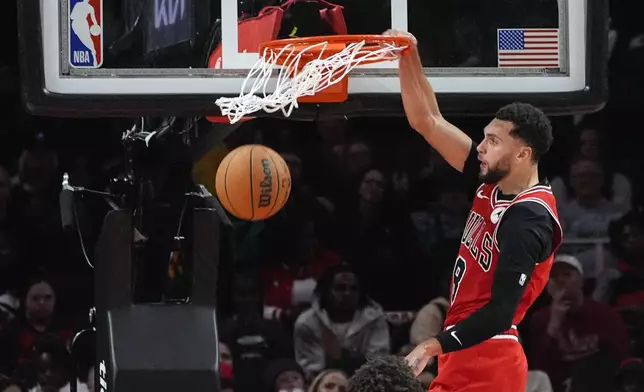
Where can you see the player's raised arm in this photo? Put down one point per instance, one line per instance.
(423, 113)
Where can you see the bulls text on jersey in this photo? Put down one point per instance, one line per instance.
(474, 228)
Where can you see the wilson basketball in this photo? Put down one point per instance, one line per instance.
(253, 182)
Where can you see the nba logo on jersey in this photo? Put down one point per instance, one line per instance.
(85, 33)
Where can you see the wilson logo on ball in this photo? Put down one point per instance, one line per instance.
(266, 185)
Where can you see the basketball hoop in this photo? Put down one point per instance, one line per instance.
(313, 69)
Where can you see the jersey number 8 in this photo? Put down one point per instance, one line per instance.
(457, 277)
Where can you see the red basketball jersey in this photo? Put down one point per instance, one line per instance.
(479, 252)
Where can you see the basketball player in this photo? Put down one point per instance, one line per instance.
(81, 27)
(507, 246)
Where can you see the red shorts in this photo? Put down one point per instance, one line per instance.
(496, 365)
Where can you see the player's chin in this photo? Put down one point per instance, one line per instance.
(488, 177)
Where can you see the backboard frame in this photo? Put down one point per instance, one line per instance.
(40, 98)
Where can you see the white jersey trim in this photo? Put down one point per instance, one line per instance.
(537, 188)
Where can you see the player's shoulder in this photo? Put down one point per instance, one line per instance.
(538, 200)
(530, 209)
(540, 192)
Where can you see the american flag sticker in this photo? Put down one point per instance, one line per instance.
(528, 48)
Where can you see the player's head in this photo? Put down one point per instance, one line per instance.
(384, 373)
(517, 137)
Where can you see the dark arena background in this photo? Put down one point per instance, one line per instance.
(120, 270)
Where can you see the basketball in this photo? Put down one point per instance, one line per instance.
(253, 182)
(95, 30)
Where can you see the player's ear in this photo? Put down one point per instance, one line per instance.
(525, 153)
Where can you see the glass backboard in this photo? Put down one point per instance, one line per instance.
(176, 57)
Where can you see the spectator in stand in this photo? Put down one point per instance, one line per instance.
(8, 242)
(359, 159)
(588, 214)
(577, 341)
(34, 208)
(623, 286)
(378, 241)
(428, 323)
(330, 380)
(342, 326)
(630, 377)
(439, 228)
(226, 369)
(39, 318)
(618, 188)
(53, 364)
(253, 340)
(8, 308)
(283, 375)
(297, 260)
(302, 200)
(627, 242)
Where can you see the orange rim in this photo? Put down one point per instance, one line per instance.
(372, 42)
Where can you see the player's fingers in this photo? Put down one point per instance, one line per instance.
(412, 39)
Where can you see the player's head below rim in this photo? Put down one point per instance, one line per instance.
(514, 142)
(385, 373)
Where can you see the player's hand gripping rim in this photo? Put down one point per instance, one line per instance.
(400, 33)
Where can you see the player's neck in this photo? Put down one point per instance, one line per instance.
(519, 180)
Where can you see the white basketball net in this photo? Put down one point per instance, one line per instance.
(315, 76)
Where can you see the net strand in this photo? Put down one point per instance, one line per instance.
(294, 80)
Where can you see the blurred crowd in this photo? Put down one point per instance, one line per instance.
(358, 261)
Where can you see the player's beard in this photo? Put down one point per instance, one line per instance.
(496, 173)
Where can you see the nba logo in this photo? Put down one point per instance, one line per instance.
(85, 33)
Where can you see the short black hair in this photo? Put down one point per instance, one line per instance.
(385, 373)
(530, 125)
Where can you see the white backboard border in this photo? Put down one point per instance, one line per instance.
(372, 82)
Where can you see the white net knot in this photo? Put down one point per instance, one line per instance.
(291, 84)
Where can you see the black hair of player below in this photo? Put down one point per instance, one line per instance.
(385, 373)
(530, 125)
